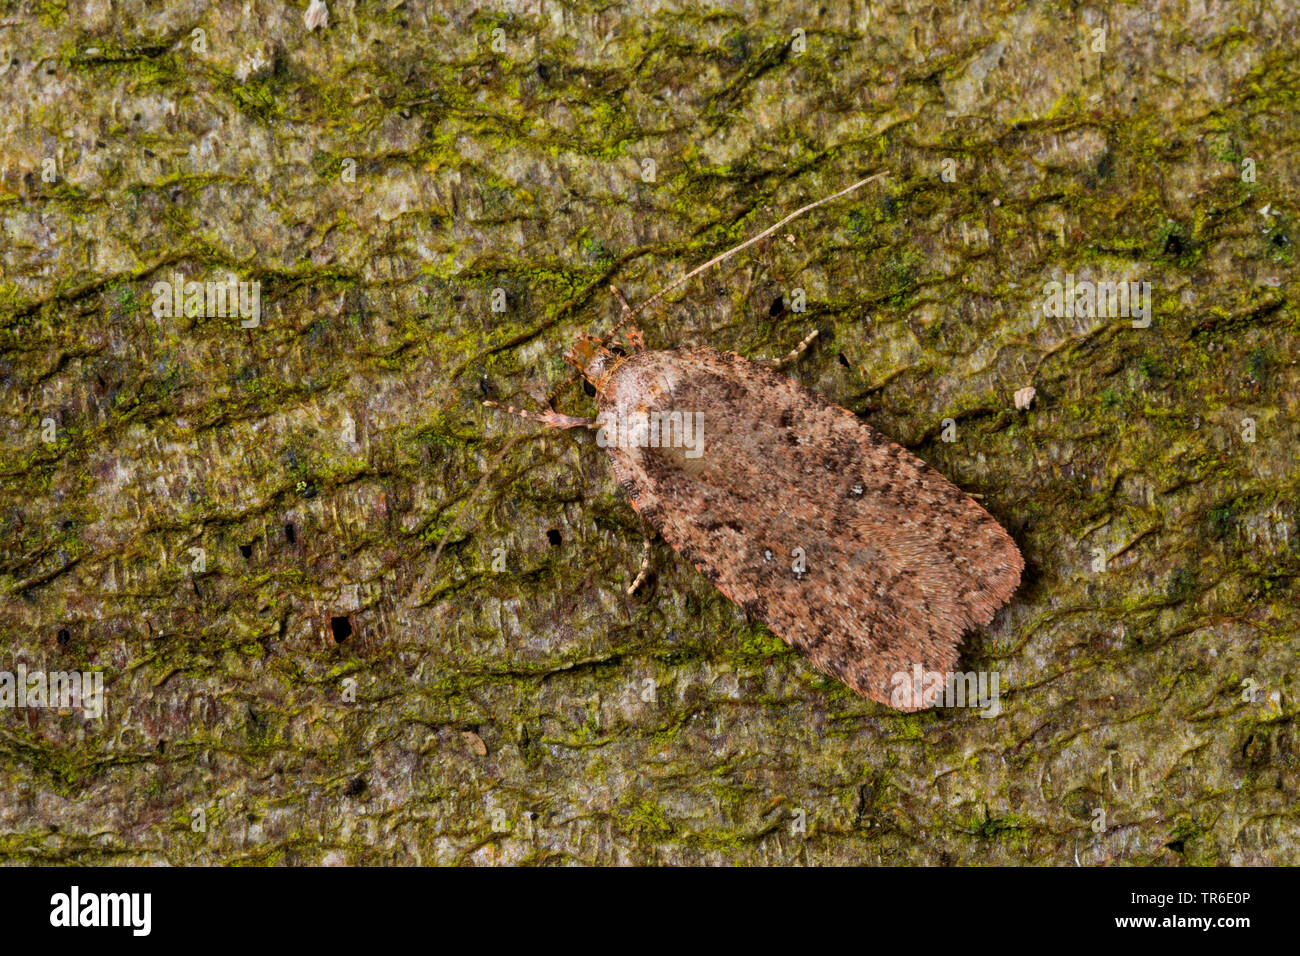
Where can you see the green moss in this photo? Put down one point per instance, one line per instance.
(646, 819)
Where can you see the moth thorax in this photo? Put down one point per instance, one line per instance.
(593, 360)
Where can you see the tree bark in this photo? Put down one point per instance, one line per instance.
(234, 521)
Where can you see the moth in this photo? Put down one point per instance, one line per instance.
(846, 545)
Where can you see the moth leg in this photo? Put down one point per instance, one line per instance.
(634, 336)
(627, 309)
(647, 540)
(549, 418)
(777, 364)
(550, 399)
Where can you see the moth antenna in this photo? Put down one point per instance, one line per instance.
(549, 418)
(412, 598)
(629, 313)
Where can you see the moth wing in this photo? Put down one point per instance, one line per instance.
(849, 547)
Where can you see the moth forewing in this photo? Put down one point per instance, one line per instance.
(894, 562)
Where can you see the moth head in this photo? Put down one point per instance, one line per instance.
(595, 362)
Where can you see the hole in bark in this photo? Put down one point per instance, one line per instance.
(290, 534)
(246, 550)
(355, 788)
(777, 306)
(341, 628)
(63, 637)
(844, 361)
(1030, 575)
(588, 389)
(554, 537)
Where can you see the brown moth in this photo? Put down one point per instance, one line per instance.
(846, 545)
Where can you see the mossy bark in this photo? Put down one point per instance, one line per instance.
(381, 178)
